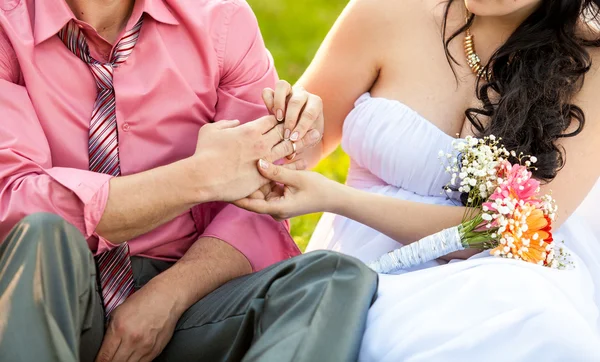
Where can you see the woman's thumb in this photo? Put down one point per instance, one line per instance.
(275, 173)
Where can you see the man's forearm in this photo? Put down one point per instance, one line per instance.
(207, 265)
(142, 202)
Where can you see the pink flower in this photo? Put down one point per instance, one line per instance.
(516, 183)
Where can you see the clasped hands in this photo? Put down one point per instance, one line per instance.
(235, 163)
(289, 190)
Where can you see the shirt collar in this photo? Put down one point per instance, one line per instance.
(158, 10)
(52, 15)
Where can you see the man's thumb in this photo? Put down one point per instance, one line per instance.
(227, 124)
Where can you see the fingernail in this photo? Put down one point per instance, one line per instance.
(286, 134)
(314, 136)
(294, 137)
(279, 115)
(263, 164)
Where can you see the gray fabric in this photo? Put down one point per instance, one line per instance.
(309, 308)
(49, 300)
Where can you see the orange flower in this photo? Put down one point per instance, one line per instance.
(527, 237)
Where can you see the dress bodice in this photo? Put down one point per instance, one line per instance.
(391, 144)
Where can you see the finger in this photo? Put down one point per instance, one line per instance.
(259, 206)
(278, 173)
(156, 346)
(110, 345)
(274, 136)
(311, 139)
(311, 113)
(294, 108)
(260, 193)
(135, 357)
(226, 124)
(124, 353)
(268, 96)
(264, 191)
(281, 150)
(265, 124)
(298, 165)
(276, 193)
(150, 356)
(282, 90)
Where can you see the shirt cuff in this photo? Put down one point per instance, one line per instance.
(262, 240)
(92, 189)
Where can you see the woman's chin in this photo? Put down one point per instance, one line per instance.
(500, 8)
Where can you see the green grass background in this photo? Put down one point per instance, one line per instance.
(293, 31)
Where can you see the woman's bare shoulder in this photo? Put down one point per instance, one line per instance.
(377, 25)
(392, 14)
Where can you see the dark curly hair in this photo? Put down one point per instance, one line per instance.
(531, 81)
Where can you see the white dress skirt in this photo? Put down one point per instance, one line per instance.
(481, 309)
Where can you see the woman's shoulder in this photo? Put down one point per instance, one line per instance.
(390, 19)
(390, 13)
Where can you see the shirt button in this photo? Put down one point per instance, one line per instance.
(126, 127)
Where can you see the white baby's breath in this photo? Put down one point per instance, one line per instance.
(476, 170)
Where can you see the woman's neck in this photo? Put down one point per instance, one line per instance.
(108, 17)
(493, 31)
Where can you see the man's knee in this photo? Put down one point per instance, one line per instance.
(335, 262)
(43, 220)
(38, 228)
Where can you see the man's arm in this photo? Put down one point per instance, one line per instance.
(104, 208)
(247, 68)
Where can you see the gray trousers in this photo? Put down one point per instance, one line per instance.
(310, 308)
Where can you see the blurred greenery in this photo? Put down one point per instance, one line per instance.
(293, 31)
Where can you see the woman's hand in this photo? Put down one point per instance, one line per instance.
(301, 112)
(292, 193)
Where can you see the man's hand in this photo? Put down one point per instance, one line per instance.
(140, 328)
(224, 165)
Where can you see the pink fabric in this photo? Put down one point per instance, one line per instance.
(195, 62)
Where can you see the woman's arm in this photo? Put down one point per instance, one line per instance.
(405, 221)
(308, 192)
(332, 76)
(347, 65)
(401, 220)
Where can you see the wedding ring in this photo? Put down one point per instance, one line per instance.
(293, 155)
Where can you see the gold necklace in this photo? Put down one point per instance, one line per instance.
(473, 59)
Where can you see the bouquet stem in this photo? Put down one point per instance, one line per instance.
(424, 250)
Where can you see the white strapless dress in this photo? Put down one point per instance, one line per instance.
(481, 309)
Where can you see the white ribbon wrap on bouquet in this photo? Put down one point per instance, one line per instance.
(429, 248)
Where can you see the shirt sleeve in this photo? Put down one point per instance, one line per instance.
(245, 64)
(262, 240)
(28, 181)
(246, 69)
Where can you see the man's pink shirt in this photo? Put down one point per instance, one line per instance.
(196, 61)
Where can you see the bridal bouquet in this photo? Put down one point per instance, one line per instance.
(505, 212)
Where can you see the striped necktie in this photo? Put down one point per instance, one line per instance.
(114, 266)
